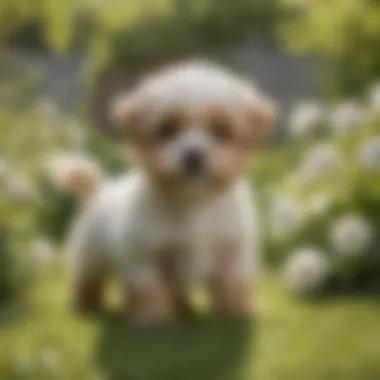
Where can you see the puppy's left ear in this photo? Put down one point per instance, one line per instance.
(262, 118)
(125, 116)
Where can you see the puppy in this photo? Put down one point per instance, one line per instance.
(184, 215)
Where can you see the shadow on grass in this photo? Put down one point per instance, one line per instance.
(203, 349)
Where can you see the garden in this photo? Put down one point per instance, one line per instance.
(318, 186)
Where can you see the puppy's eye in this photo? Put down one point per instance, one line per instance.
(168, 130)
(220, 131)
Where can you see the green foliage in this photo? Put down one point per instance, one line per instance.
(201, 28)
(133, 33)
(57, 23)
(56, 213)
(345, 32)
(33, 213)
(18, 83)
(15, 273)
(112, 153)
(351, 189)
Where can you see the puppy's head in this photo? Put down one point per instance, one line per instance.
(193, 126)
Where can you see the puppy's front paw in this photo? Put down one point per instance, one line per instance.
(87, 297)
(151, 317)
(232, 299)
(152, 305)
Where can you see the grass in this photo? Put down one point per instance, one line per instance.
(335, 339)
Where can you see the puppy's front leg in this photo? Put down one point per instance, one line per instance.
(88, 272)
(88, 292)
(151, 302)
(230, 289)
(170, 262)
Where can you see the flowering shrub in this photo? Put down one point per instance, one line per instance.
(346, 117)
(327, 197)
(306, 119)
(307, 271)
(322, 160)
(35, 144)
(351, 236)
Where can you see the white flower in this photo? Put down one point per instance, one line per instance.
(321, 160)
(351, 235)
(42, 250)
(306, 119)
(306, 270)
(369, 154)
(319, 204)
(346, 117)
(374, 97)
(285, 216)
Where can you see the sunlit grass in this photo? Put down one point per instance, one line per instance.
(336, 339)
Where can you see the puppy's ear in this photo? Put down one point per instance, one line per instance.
(125, 115)
(262, 117)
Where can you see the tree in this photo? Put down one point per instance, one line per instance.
(345, 31)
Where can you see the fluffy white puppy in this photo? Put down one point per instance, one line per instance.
(185, 215)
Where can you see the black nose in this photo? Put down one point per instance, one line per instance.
(193, 163)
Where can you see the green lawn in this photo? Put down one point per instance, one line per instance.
(329, 340)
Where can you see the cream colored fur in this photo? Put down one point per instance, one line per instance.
(130, 220)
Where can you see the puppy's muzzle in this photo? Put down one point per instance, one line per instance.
(194, 164)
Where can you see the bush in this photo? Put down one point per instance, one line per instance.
(323, 195)
(34, 214)
(174, 35)
(56, 213)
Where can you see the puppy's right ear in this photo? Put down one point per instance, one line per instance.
(125, 115)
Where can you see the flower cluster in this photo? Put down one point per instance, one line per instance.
(351, 235)
(326, 206)
(285, 216)
(39, 145)
(307, 270)
(346, 117)
(312, 119)
(322, 160)
(306, 119)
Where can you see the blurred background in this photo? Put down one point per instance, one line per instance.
(318, 182)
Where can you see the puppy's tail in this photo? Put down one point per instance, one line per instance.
(79, 174)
